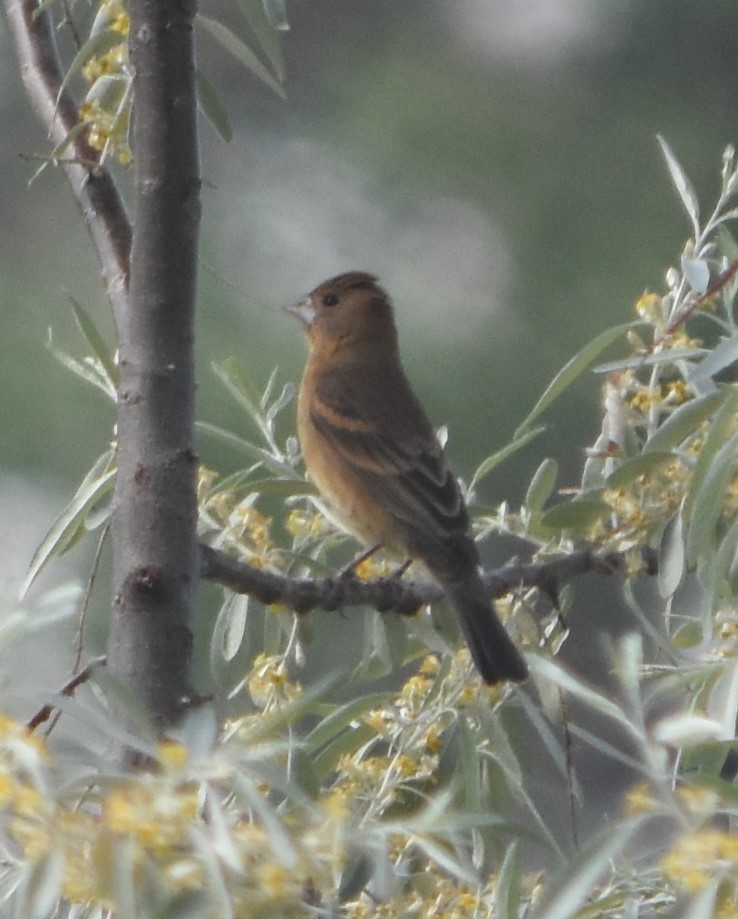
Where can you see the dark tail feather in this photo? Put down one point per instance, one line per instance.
(491, 647)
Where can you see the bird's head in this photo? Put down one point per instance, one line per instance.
(348, 310)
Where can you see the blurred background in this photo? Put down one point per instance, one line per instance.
(493, 161)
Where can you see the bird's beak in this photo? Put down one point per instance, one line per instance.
(304, 310)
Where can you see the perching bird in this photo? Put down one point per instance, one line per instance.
(373, 454)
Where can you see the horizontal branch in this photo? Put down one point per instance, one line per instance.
(396, 595)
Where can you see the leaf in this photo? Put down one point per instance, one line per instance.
(653, 359)
(41, 885)
(95, 340)
(520, 440)
(265, 33)
(682, 185)
(575, 885)
(542, 485)
(445, 859)
(719, 580)
(697, 273)
(722, 426)
(240, 387)
(89, 371)
(671, 557)
(241, 51)
(708, 500)
(637, 466)
(588, 695)
(234, 626)
(212, 106)
(683, 421)
(573, 369)
(347, 742)
(98, 481)
(281, 402)
(341, 718)
(239, 443)
(268, 389)
(576, 515)
(280, 840)
(292, 711)
(509, 882)
(276, 14)
(725, 353)
(98, 43)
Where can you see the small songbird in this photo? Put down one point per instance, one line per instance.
(374, 456)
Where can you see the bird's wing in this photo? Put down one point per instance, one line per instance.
(404, 470)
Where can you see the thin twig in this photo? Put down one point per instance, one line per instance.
(68, 690)
(80, 634)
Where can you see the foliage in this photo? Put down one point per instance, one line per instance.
(414, 797)
(417, 800)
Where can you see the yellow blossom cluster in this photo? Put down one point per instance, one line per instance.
(106, 109)
(239, 525)
(307, 524)
(639, 398)
(269, 684)
(432, 894)
(179, 828)
(396, 763)
(644, 503)
(700, 858)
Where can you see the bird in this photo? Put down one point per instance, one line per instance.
(374, 456)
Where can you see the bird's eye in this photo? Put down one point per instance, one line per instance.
(330, 299)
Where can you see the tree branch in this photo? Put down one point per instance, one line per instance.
(395, 595)
(92, 185)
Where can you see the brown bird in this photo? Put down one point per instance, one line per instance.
(373, 454)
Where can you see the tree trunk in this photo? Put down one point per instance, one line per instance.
(155, 555)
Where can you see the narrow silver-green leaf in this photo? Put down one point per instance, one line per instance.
(697, 273)
(653, 359)
(517, 443)
(721, 428)
(89, 371)
(637, 466)
(277, 14)
(341, 718)
(212, 106)
(683, 421)
(575, 515)
(708, 501)
(265, 33)
(509, 882)
(683, 186)
(241, 51)
(725, 353)
(281, 402)
(719, 586)
(577, 883)
(586, 694)
(235, 626)
(95, 341)
(98, 43)
(96, 483)
(573, 369)
(542, 485)
(671, 557)
(239, 386)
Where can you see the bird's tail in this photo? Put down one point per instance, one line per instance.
(492, 649)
